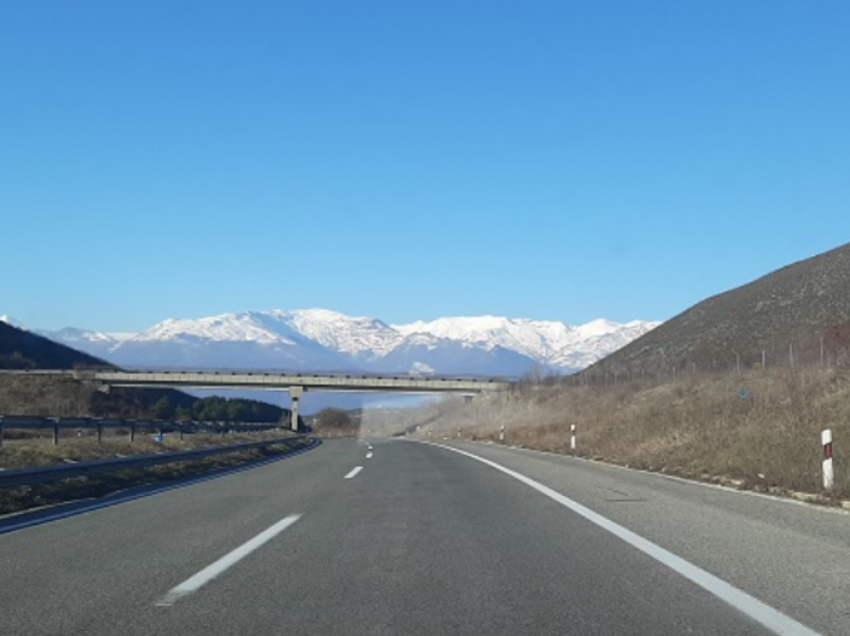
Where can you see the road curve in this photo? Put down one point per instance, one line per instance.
(401, 537)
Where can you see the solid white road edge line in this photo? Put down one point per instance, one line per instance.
(772, 619)
(354, 472)
(683, 480)
(192, 584)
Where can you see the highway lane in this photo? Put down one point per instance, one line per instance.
(419, 540)
(793, 556)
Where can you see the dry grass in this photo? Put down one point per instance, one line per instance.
(697, 426)
(42, 452)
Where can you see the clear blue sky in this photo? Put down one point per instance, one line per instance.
(410, 160)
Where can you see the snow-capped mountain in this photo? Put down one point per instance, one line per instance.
(98, 344)
(596, 340)
(535, 339)
(248, 340)
(424, 353)
(551, 343)
(323, 340)
(367, 337)
(11, 322)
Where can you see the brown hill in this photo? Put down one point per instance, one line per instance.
(797, 315)
(35, 395)
(21, 349)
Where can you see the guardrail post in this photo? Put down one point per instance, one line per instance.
(179, 431)
(100, 431)
(55, 431)
(132, 432)
(1, 431)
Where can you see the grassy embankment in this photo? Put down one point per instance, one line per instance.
(19, 454)
(697, 426)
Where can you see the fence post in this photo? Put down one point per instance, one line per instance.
(828, 474)
(1, 431)
(132, 432)
(55, 431)
(99, 431)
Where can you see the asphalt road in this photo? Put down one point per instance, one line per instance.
(425, 540)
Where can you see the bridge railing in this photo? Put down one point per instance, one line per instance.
(284, 381)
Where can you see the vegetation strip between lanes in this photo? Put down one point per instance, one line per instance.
(39, 474)
(195, 582)
(768, 617)
(26, 519)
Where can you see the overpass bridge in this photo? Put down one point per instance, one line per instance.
(296, 384)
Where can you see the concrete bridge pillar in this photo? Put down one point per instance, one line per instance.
(295, 393)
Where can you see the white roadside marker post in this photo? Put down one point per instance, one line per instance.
(828, 474)
(502, 433)
(573, 437)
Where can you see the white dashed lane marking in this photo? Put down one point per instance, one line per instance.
(194, 583)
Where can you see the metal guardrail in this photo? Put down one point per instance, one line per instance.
(42, 474)
(132, 426)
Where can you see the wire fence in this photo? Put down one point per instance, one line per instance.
(130, 428)
(662, 365)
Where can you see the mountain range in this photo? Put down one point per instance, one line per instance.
(323, 340)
